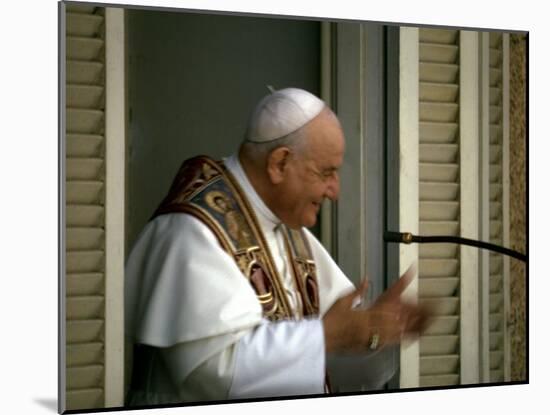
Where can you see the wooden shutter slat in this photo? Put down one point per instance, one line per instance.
(85, 239)
(495, 173)
(438, 112)
(495, 97)
(495, 264)
(439, 191)
(85, 307)
(495, 57)
(85, 96)
(495, 210)
(495, 282)
(84, 48)
(79, 8)
(436, 365)
(84, 331)
(435, 92)
(85, 262)
(438, 153)
(438, 36)
(495, 191)
(85, 377)
(85, 354)
(443, 306)
(438, 267)
(438, 211)
(438, 172)
(438, 251)
(83, 24)
(438, 72)
(497, 375)
(438, 53)
(495, 303)
(85, 73)
(496, 360)
(495, 114)
(442, 325)
(438, 228)
(84, 215)
(85, 398)
(84, 169)
(439, 380)
(495, 76)
(495, 154)
(84, 192)
(495, 132)
(495, 322)
(496, 229)
(91, 283)
(85, 121)
(495, 340)
(436, 132)
(84, 146)
(438, 287)
(495, 40)
(439, 345)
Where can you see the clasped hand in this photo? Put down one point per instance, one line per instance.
(388, 321)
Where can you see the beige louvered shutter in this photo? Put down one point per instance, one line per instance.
(497, 316)
(439, 211)
(85, 215)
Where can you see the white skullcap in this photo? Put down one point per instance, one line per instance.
(281, 113)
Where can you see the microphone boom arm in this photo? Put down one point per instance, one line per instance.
(408, 238)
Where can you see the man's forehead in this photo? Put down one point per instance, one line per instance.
(325, 159)
(322, 144)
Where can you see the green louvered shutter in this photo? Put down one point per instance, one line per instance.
(439, 211)
(496, 261)
(85, 217)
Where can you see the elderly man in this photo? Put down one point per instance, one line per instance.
(228, 295)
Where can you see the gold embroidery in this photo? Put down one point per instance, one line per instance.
(236, 225)
(251, 262)
(208, 172)
(208, 191)
(304, 270)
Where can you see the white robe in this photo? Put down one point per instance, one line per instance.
(186, 297)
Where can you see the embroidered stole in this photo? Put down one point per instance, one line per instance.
(207, 190)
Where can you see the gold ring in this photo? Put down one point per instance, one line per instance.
(374, 340)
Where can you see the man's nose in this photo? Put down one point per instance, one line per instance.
(333, 188)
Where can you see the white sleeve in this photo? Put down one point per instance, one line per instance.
(210, 378)
(278, 359)
(181, 286)
(273, 359)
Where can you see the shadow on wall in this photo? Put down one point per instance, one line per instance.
(48, 403)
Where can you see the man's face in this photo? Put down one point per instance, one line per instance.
(312, 174)
(221, 203)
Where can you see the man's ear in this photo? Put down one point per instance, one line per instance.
(277, 163)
